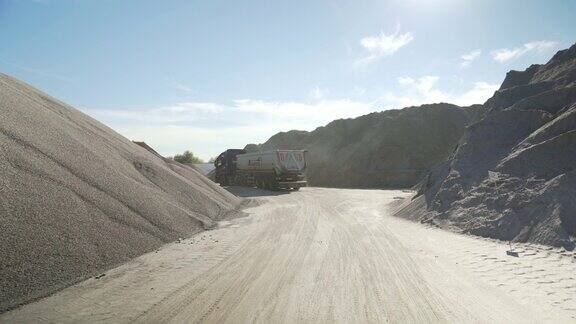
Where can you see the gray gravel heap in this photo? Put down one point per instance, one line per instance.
(77, 198)
(389, 149)
(513, 176)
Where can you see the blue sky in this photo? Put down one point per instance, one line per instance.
(210, 75)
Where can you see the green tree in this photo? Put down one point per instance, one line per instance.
(187, 157)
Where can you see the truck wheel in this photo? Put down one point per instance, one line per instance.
(274, 186)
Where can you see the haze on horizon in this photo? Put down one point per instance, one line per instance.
(208, 76)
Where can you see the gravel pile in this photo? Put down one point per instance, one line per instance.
(513, 176)
(389, 149)
(77, 198)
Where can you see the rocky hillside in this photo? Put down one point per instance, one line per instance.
(77, 198)
(393, 148)
(513, 175)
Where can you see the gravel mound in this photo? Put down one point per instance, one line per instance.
(513, 176)
(389, 149)
(76, 198)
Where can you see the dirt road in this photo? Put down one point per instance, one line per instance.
(324, 255)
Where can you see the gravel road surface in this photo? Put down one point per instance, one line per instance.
(323, 255)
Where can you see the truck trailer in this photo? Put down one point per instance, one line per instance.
(272, 170)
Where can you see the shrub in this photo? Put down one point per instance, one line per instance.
(187, 157)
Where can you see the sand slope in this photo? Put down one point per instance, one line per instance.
(513, 176)
(393, 148)
(76, 197)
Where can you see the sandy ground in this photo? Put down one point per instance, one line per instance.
(324, 255)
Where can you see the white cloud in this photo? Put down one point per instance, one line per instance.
(318, 93)
(480, 92)
(424, 90)
(209, 128)
(181, 112)
(382, 45)
(507, 54)
(182, 87)
(468, 58)
(317, 113)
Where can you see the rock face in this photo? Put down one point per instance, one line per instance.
(513, 176)
(77, 198)
(389, 149)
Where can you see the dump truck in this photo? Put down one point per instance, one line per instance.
(272, 170)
